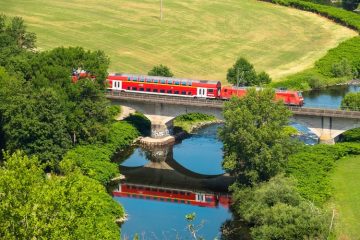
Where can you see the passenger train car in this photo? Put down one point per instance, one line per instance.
(172, 195)
(189, 88)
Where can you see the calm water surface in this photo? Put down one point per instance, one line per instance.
(329, 97)
(194, 159)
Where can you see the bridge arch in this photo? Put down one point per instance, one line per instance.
(327, 129)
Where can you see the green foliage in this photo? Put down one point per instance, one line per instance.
(351, 101)
(312, 166)
(255, 144)
(263, 78)
(121, 135)
(140, 122)
(188, 122)
(243, 73)
(94, 160)
(36, 206)
(160, 70)
(342, 68)
(275, 210)
(114, 110)
(192, 117)
(352, 135)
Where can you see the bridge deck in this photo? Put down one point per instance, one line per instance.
(215, 103)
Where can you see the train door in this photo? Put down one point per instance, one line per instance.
(201, 92)
(200, 197)
(117, 85)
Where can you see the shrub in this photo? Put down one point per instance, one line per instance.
(275, 210)
(351, 101)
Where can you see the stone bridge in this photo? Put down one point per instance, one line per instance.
(327, 124)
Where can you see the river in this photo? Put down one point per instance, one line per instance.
(163, 184)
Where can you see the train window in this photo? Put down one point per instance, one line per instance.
(210, 90)
(148, 90)
(129, 78)
(155, 90)
(182, 193)
(162, 81)
(176, 82)
(169, 91)
(142, 80)
(168, 191)
(161, 190)
(162, 90)
(148, 80)
(147, 189)
(225, 90)
(189, 83)
(134, 79)
(141, 89)
(134, 88)
(188, 93)
(176, 92)
(128, 88)
(169, 82)
(183, 93)
(156, 81)
(183, 83)
(175, 192)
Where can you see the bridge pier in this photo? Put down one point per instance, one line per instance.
(160, 129)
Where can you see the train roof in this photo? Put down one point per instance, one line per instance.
(164, 78)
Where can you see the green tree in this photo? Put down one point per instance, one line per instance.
(263, 78)
(342, 68)
(35, 123)
(275, 210)
(38, 206)
(351, 101)
(160, 70)
(255, 144)
(243, 70)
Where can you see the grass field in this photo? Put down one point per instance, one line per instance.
(346, 182)
(196, 39)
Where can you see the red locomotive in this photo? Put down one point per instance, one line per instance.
(189, 88)
(172, 195)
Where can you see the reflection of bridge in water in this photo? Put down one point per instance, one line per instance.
(164, 172)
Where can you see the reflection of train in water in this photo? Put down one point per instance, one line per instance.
(172, 195)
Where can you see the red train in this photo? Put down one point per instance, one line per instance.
(172, 195)
(189, 88)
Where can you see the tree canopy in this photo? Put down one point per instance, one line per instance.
(351, 101)
(160, 70)
(38, 206)
(243, 73)
(275, 210)
(255, 144)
